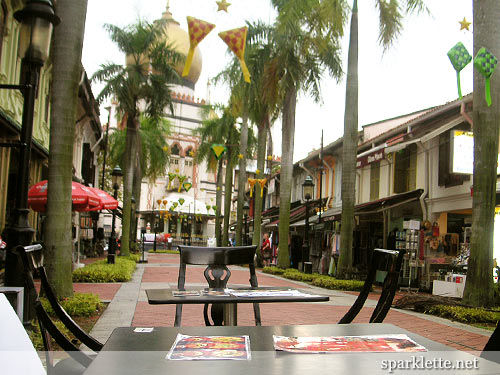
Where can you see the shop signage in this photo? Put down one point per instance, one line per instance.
(372, 157)
(462, 152)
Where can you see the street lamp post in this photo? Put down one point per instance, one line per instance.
(116, 176)
(246, 210)
(37, 20)
(307, 194)
(154, 226)
(143, 232)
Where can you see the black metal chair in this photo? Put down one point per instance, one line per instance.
(217, 274)
(384, 260)
(32, 258)
(491, 350)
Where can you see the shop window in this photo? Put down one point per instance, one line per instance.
(446, 178)
(374, 180)
(405, 169)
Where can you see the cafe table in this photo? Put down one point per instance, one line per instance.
(231, 297)
(143, 350)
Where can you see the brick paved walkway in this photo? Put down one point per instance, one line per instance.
(162, 269)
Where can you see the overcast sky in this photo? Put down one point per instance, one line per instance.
(414, 74)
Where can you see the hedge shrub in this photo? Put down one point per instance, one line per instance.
(102, 272)
(328, 282)
(462, 314)
(163, 251)
(81, 304)
(316, 279)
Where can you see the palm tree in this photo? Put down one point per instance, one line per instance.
(479, 286)
(142, 86)
(305, 37)
(153, 154)
(257, 102)
(211, 132)
(66, 59)
(391, 15)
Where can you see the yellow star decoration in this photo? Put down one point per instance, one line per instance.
(269, 157)
(223, 4)
(464, 24)
(240, 156)
(257, 171)
(191, 153)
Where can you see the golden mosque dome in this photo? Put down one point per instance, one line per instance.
(179, 38)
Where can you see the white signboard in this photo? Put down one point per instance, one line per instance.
(462, 148)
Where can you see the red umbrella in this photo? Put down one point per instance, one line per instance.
(81, 197)
(107, 202)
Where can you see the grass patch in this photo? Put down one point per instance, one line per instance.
(102, 272)
(315, 279)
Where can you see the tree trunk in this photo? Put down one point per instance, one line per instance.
(66, 58)
(218, 202)
(257, 213)
(287, 140)
(128, 181)
(136, 193)
(349, 151)
(228, 188)
(479, 285)
(242, 180)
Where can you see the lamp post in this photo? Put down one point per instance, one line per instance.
(154, 226)
(246, 210)
(143, 232)
(307, 194)
(116, 177)
(105, 148)
(37, 20)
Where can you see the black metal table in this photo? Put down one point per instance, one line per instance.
(129, 352)
(230, 302)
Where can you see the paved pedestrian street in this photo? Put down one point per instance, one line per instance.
(128, 305)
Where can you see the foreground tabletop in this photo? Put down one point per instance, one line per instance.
(129, 352)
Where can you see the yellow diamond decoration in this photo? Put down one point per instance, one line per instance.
(218, 150)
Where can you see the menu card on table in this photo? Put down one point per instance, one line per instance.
(336, 344)
(189, 348)
(270, 293)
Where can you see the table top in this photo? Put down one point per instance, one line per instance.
(164, 296)
(151, 348)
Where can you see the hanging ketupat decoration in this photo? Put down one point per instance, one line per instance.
(198, 30)
(181, 201)
(486, 63)
(236, 40)
(218, 150)
(262, 183)
(187, 186)
(460, 58)
(175, 204)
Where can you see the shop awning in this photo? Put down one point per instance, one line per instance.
(294, 216)
(376, 206)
